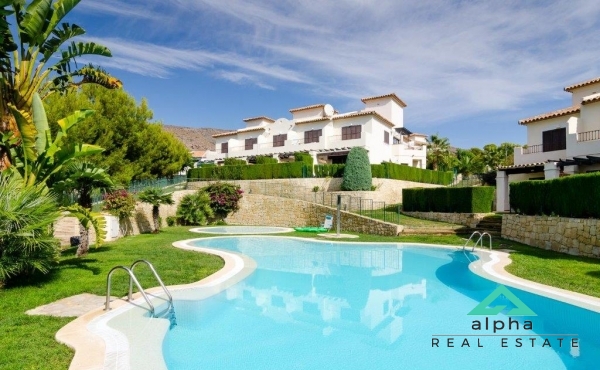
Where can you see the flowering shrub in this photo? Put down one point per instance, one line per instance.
(224, 198)
(119, 203)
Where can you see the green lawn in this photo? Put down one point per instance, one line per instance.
(27, 342)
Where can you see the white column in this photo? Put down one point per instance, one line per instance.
(502, 200)
(551, 171)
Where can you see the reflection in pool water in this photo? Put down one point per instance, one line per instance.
(316, 305)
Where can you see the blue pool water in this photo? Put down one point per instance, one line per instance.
(312, 305)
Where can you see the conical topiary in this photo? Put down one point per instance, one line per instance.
(357, 172)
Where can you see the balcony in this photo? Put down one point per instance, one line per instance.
(533, 149)
(588, 136)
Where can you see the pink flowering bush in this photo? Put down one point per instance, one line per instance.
(224, 198)
(119, 203)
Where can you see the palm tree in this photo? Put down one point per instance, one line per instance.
(155, 197)
(26, 217)
(32, 60)
(438, 151)
(83, 178)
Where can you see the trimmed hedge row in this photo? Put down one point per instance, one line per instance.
(329, 170)
(250, 172)
(262, 159)
(395, 171)
(385, 170)
(303, 157)
(477, 199)
(573, 196)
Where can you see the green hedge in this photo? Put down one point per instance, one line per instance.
(304, 158)
(573, 196)
(250, 172)
(262, 159)
(234, 162)
(329, 170)
(476, 199)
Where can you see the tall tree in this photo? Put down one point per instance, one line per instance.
(135, 148)
(33, 60)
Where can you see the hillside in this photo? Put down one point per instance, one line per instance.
(195, 138)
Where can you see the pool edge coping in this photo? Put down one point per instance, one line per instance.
(90, 348)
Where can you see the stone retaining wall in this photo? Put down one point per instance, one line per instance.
(255, 209)
(575, 236)
(266, 210)
(467, 219)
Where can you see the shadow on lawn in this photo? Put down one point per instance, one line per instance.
(80, 263)
(594, 274)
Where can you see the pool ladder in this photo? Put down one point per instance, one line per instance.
(134, 280)
(478, 241)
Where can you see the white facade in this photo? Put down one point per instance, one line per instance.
(328, 135)
(559, 143)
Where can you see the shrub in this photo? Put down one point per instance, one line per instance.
(315, 188)
(171, 221)
(263, 159)
(224, 198)
(26, 217)
(194, 209)
(357, 173)
(303, 157)
(234, 162)
(119, 203)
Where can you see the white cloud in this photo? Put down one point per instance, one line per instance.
(445, 59)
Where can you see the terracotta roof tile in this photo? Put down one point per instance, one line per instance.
(553, 114)
(240, 131)
(257, 118)
(392, 95)
(348, 115)
(307, 107)
(593, 99)
(226, 134)
(582, 84)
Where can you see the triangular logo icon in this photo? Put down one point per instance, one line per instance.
(520, 309)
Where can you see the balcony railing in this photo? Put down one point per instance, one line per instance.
(533, 149)
(588, 135)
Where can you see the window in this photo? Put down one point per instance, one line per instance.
(351, 132)
(224, 148)
(250, 143)
(386, 137)
(279, 140)
(554, 140)
(312, 136)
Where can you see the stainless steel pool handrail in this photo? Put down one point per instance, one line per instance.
(131, 278)
(151, 266)
(479, 240)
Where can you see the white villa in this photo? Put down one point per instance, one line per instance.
(328, 135)
(559, 143)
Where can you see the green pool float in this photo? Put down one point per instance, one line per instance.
(312, 229)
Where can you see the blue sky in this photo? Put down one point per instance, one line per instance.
(468, 70)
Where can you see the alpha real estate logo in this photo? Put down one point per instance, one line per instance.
(504, 331)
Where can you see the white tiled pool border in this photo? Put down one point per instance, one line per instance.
(98, 346)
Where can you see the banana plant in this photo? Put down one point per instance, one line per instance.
(39, 155)
(33, 60)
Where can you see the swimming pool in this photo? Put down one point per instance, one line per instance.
(242, 230)
(324, 305)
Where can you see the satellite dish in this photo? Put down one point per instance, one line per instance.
(328, 110)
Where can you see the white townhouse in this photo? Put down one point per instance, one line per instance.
(559, 143)
(328, 135)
